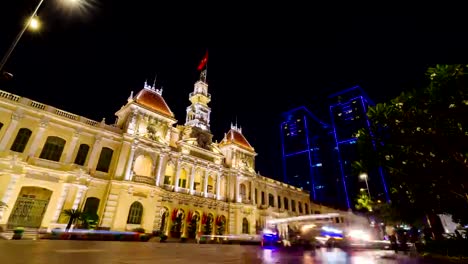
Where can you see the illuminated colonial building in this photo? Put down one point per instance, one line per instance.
(143, 171)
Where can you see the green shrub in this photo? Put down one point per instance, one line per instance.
(18, 230)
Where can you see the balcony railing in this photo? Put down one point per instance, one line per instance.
(211, 195)
(168, 187)
(45, 163)
(246, 201)
(43, 107)
(144, 179)
(183, 190)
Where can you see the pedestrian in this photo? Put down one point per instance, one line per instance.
(393, 242)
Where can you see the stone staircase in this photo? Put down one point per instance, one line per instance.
(29, 234)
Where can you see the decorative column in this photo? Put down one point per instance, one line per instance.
(71, 147)
(78, 196)
(252, 193)
(192, 179)
(161, 168)
(205, 184)
(128, 170)
(176, 183)
(218, 185)
(35, 141)
(8, 192)
(237, 196)
(94, 151)
(8, 133)
(60, 202)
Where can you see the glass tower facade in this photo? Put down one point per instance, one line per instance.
(308, 162)
(348, 115)
(318, 156)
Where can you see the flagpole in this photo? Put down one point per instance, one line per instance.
(206, 66)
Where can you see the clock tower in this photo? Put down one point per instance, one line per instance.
(198, 113)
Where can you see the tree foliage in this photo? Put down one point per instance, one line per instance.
(421, 139)
(73, 215)
(364, 202)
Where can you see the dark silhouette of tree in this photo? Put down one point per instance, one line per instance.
(421, 140)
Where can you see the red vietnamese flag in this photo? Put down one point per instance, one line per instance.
(203, 62)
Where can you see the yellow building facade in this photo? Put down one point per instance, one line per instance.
(144, 171)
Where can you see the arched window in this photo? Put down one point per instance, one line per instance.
(293, 205)
(21, 140)
(135, 213)
(286, 203)
(279, 201)
(104, 160)
(243, 191)
(271, 200)
(53, 148)
(306, 208)
(91, 205)
(82, 154)
(299, 205)
(245, 226)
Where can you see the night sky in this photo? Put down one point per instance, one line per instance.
(260, 63)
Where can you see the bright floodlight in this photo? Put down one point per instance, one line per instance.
(34, 23)
(363, 176)
(81, 8)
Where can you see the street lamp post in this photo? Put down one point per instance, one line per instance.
(18, 37)
(363, 176)
(33, 23)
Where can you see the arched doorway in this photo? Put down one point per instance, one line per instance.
(220, 225)
(177, 218)
(245, 226)
(193, 218)
(164, 217)
(91, 205)
(30, 207)
(207, 223)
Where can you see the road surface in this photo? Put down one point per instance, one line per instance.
(103, 252)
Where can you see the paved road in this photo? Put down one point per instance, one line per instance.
(93, 252)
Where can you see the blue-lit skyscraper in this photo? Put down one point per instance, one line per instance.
(318, 155)
(308, 156)
(348, 115)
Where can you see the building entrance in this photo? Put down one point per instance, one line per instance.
(30, 207)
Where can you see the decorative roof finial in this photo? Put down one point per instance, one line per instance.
(146, 85)
(131, 96)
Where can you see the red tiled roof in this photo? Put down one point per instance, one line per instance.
(153, 101)
(235, 137)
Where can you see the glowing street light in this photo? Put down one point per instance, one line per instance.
(34, 24)
(363, 176)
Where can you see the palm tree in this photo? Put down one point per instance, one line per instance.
(73, 215)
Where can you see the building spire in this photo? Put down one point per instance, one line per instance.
(155, 78)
